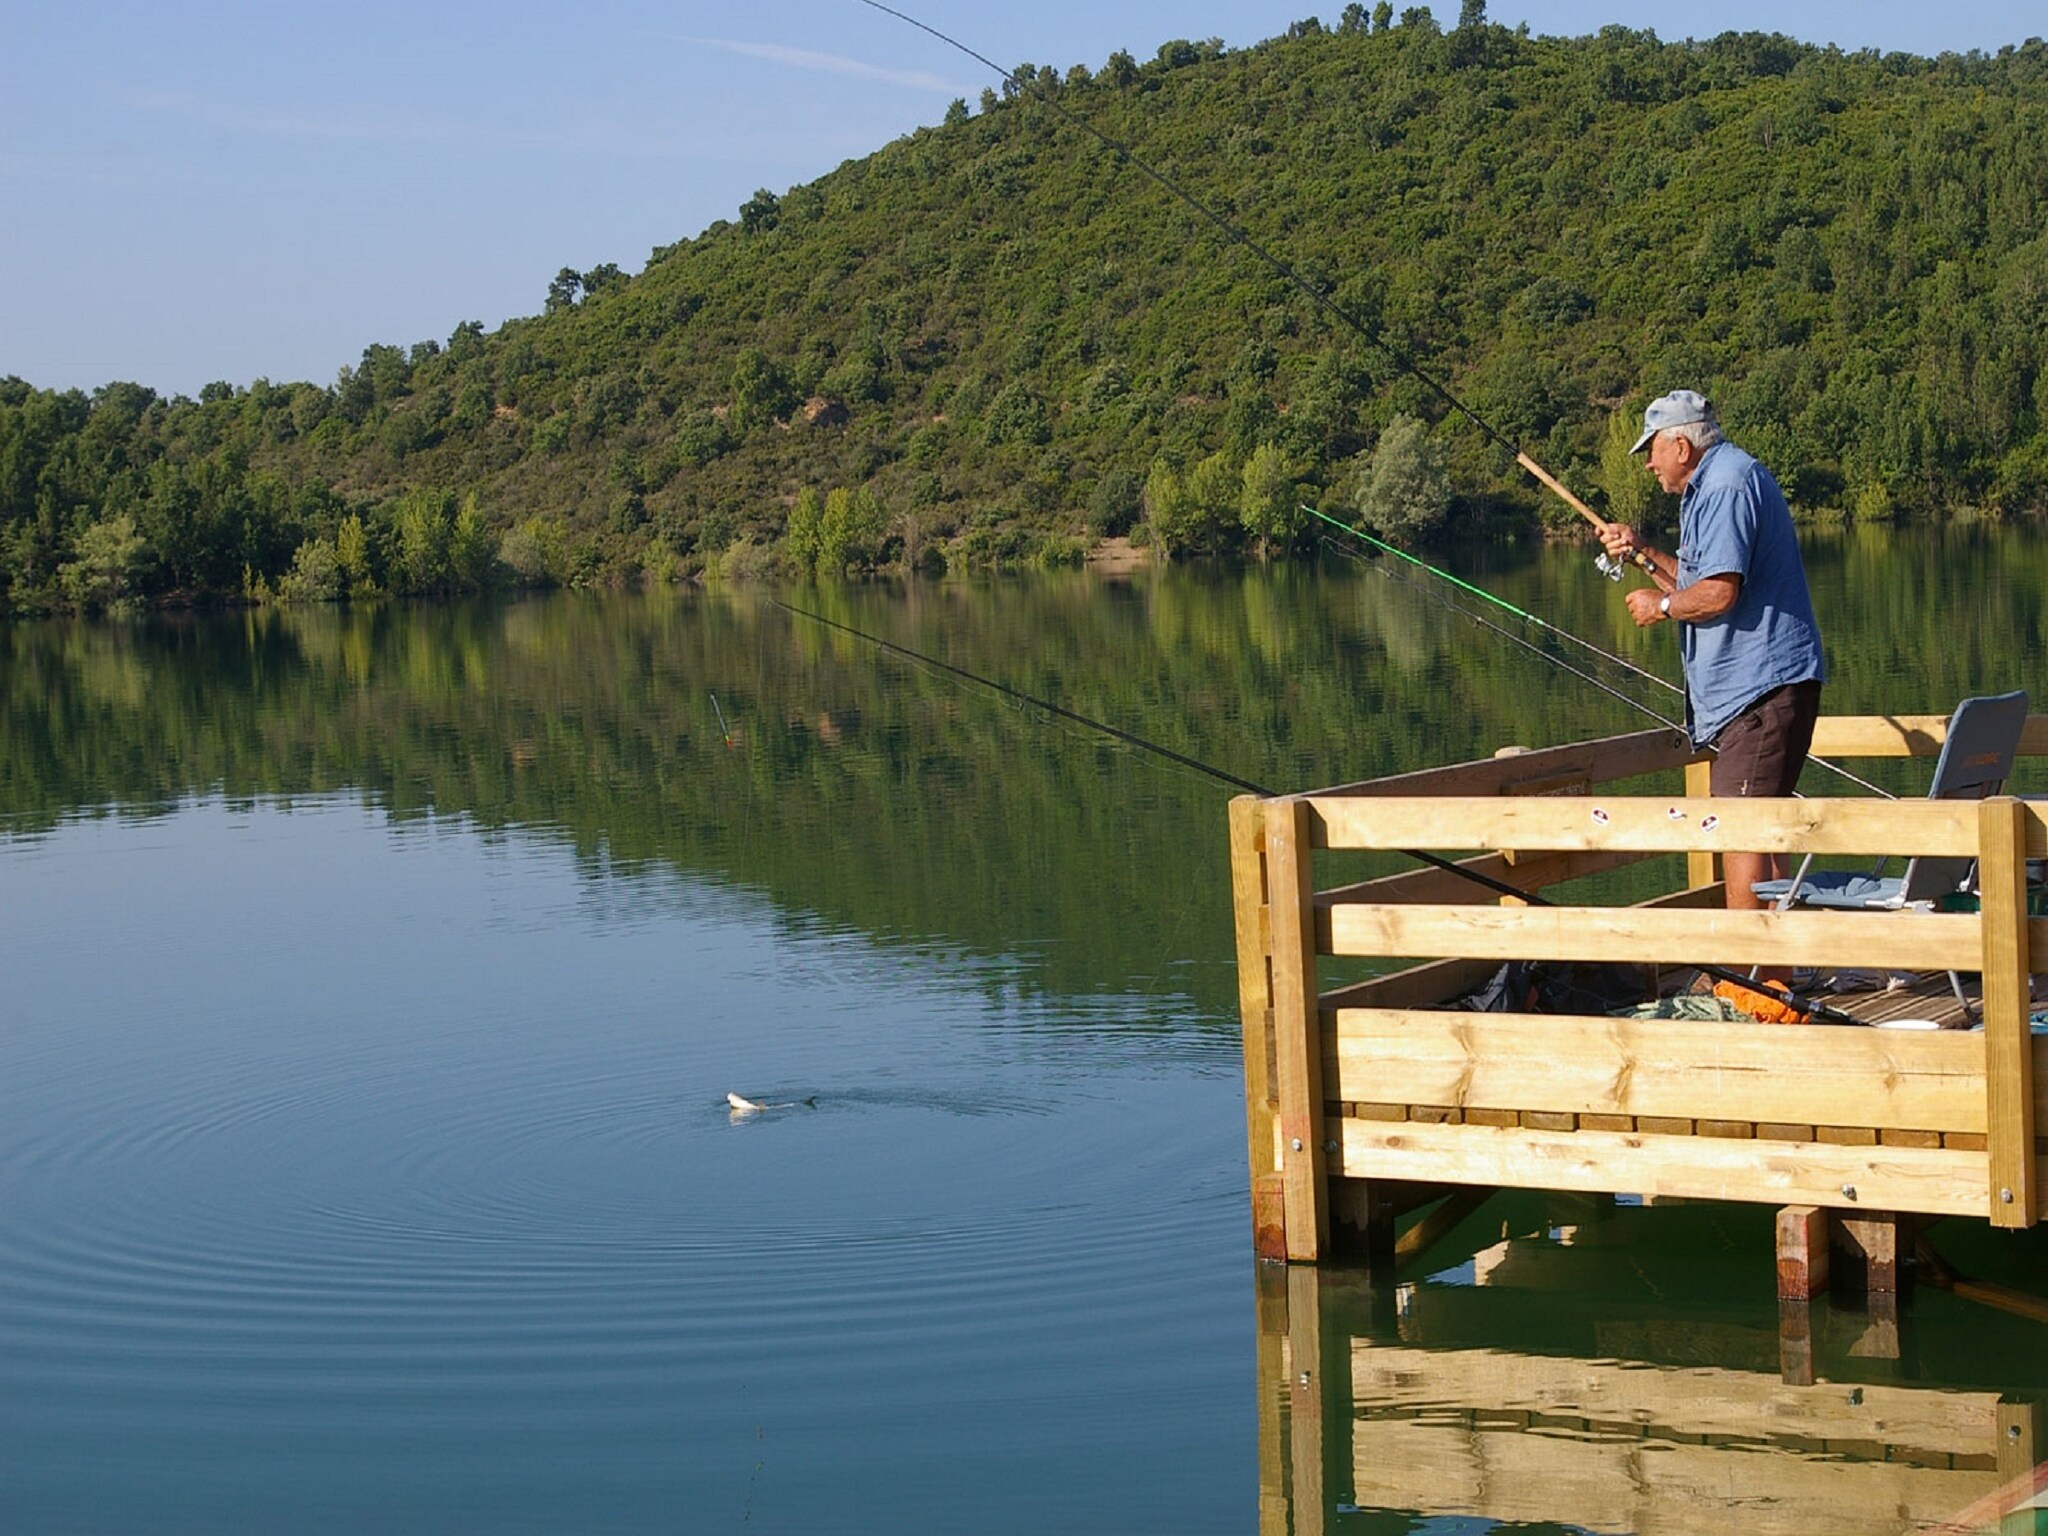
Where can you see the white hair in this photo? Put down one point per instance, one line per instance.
(1701, 434)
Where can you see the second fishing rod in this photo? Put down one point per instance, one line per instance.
(1380, 547)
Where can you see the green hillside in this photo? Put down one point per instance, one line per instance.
(983, 343)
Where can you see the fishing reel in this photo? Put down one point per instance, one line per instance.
(1614, 569)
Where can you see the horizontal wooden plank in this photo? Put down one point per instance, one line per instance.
(1905, 736)
(1431, 884)
(1680, 1401)
(1654, 825)
(1571, 1064)
(1603, 761)
(1438, 981)
(1942, 1183)
(1914, 941)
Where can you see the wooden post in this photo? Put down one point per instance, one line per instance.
(1865, 1251)
(1802, 1252)
(1297, 1027)
(1699, 866)
(2008, 1038)
(1508, 854)
(1255, 1008)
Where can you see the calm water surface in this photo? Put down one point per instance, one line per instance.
(374, 982)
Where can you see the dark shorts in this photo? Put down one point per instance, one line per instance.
(1760, 751)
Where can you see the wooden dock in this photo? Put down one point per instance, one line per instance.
(1368, 1096)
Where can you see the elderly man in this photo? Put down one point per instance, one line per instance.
(1737, 590)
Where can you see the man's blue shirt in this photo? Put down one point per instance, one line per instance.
(1733, 521)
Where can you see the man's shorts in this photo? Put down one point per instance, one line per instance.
(1760, 751)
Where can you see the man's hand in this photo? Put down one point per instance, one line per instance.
(1620, 540)
(1643, 606)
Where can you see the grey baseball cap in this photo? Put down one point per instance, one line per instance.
(1677, 409)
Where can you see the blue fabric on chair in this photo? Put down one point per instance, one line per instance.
(1839, 888)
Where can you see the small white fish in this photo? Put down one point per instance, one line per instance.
(743, 1106)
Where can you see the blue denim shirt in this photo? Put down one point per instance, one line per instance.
(1733, 521)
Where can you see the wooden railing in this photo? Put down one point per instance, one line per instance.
(1376, 1082)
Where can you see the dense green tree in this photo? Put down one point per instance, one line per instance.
(762, 391)
(801, 534)
(1404, 494)
(1269, 499)
(761, 212)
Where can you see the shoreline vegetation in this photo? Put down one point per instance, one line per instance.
(988, 345)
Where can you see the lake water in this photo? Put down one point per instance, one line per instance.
(374, 981)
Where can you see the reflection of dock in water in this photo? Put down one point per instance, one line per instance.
(1620, 1375)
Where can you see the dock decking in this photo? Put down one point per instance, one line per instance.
(1362, 1090)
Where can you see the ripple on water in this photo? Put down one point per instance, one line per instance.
(354, 1213)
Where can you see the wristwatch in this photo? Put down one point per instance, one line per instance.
(1664, 605)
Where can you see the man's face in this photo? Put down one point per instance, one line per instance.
(1671, 461)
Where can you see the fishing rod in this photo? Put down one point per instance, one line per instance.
(1813, 1007)
(1562, 634)
(1501, 630)
(1317, 295)
(1500, 602)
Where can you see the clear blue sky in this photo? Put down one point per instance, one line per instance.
(238, 190)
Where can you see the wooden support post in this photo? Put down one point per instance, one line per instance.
(1508, 854)
(1297, 1027)
(2008, 1039)
(1864, 1250)
(1795, 1342)
(1802, 1252)
(1255, 1008)
(1699, 866)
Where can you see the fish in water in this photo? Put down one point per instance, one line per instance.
(742, 1106)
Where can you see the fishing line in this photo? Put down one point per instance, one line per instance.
(1813, 1007)
(1506, 633)
(1236, 235)
(1450, 607)
(1562, 634)
(1020, 696)
(1500, 602)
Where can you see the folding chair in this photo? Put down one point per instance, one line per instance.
(1976, 758)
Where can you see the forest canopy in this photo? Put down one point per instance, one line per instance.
(992, 342)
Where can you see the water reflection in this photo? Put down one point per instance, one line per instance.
(1562, 1364)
